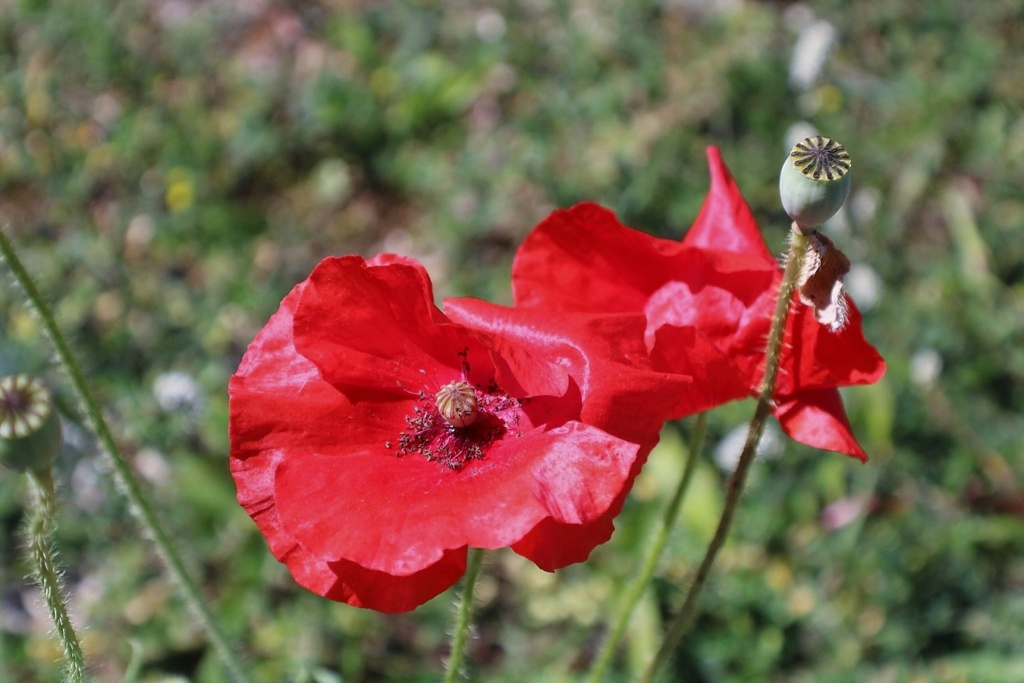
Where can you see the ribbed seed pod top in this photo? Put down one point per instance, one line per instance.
(30, 436)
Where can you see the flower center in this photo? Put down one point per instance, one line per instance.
(456, 403)
(458, 423)
(24, 406)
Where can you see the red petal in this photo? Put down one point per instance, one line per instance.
(372, 329)
(583, 259)
(341, 581)
(277, 398)
(552, 545)
(725, 222)
(716, 379)
(399, 515)
(731, 315)
(817, 418)
(818, 358)
(622, 392)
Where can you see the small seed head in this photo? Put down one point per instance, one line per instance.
(30, 435)
(814, 181)
(457, 404)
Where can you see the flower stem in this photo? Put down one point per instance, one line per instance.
(44, 567)
(464, 615)
(128, 485)
(654, 551)
(684, 620)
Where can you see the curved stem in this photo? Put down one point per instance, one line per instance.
(464, 616)
(44, 567)
(127, 482)
(684, 620)
(654, 551)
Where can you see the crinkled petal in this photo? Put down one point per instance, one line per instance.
(735, 324)
(278, 401)
(583, 259)
(279, 404)
(375, 329)
(716, 379)
(341, 581)
(399, 514)
(815, 357)
(552, 545)
(622, 390)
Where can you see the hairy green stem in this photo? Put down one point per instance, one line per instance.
(464, 616)
(654, 551)
(127, 483)
(44, 569)
(684, 620)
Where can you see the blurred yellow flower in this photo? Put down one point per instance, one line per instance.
(180, 192)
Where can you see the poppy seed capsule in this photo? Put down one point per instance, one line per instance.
(814, 181)
(30, 435)
(457, 404)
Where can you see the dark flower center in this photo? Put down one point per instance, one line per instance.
(458, 423)
(24, 406)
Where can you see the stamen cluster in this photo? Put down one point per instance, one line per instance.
(439, 430)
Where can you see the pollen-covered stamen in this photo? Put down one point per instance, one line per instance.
(457, 404)
(821, 158)
(24, 406)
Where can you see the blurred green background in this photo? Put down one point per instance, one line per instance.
(170, 168)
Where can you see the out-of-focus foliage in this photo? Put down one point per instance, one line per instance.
(170, 168)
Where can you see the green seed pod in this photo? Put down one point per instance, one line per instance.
(814, 181)
(30, 435)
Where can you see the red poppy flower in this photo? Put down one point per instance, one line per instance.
(709, 300)
(374, 438)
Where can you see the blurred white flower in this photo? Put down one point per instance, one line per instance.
(490, 25)
(864, 205)
(864, 285)
(810, 53)
(925, 367)
(178, 392)
(87, 487)
(152, 466)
